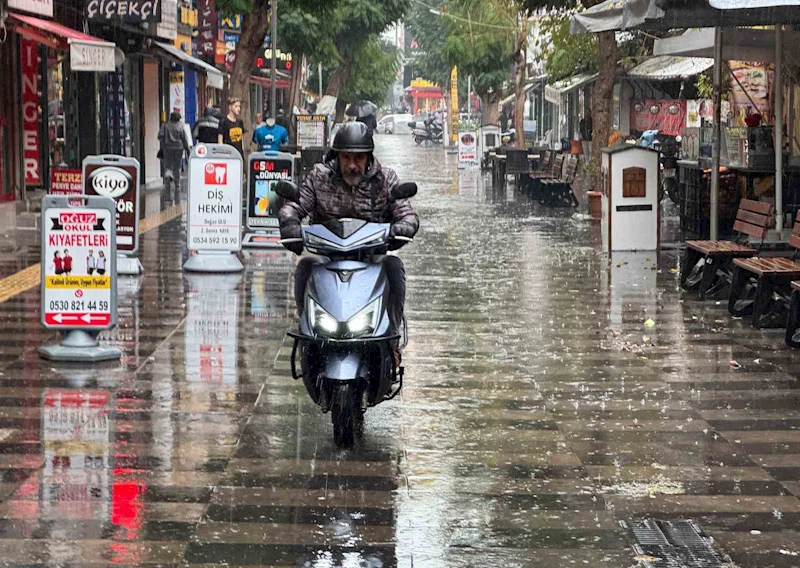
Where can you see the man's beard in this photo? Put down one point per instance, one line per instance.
(353, 180)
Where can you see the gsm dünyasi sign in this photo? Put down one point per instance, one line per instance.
(133, 11)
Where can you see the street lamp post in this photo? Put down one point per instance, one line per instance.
(273, 63)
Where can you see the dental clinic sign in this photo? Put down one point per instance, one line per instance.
(129, 11)
(215, 198)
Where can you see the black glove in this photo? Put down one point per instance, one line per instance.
(293, 231)
(399, 230)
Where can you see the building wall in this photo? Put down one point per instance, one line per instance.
(152, 116)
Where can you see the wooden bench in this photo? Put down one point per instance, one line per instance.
(532, 182)
(708, 265)
(761, 287)
(557, 191)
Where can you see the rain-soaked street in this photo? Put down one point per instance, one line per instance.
(540, 423)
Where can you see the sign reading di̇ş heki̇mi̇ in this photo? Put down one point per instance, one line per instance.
(215, 197)
(76, 268)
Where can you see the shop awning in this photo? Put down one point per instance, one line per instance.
(668, 68)
(86, 53)
(740, 44)
(553, 93)
(266, 82)
(214, 75)
(669, 14)
(529, 86)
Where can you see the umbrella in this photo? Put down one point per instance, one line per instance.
(362, 109)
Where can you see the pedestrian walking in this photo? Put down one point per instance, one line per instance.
(206, 130)
(231, 127)
(503, 121)
(172, 137)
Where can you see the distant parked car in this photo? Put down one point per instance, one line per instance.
(394, 124)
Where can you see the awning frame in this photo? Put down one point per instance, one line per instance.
(216, 79)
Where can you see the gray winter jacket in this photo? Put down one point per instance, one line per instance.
(173, 136)
(325, 195)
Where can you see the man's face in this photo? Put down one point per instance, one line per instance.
(236, 108)
(353, 166)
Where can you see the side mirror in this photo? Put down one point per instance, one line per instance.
(287, 190)
(404, 191)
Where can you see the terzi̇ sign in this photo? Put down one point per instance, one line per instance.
(139, 11)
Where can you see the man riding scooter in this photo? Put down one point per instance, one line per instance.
(351, 183)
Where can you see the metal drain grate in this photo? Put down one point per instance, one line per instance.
(674, 544)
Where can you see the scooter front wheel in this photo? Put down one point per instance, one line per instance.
(346, 414)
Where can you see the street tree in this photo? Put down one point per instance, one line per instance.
(603, 93)
(354, 25)
(373, 71)
(303, 29)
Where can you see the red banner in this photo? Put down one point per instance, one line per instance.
(666, 116)
(30, 112)
(207, 26)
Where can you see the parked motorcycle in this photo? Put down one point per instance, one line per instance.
(669, 148)
(427, 131)
(344, 342)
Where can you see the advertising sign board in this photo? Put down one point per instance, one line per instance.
(117, 177)
(78, 264)
(215, 196)
(312, 130)
(265, 171)
(467, 148)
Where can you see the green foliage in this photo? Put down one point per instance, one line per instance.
(430, 63)
(303, 27)
(566, 54)
(374, 70)
(356, 21)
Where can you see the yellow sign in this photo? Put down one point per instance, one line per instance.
(85, 282)
(453, 104)
(419, 82)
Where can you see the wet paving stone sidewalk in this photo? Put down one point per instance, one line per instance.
(538, 413)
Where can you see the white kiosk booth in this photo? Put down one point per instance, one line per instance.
(630, 218)
(489, 138)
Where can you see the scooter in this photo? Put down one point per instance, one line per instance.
(344, 342)
(427, 132)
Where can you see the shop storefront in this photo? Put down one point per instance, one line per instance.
(44, 104)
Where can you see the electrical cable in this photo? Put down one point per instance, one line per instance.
(438, 12)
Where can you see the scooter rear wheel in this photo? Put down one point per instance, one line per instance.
(418, 139)
(346, 414)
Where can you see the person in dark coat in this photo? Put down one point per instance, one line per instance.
(172, 137)
(351, 183)
(207, 128)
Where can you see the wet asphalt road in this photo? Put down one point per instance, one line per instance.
(538, 412)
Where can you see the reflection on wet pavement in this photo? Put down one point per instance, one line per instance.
(538, 411)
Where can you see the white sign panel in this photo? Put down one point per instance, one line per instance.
(78, 262)
(91, 56)
(41, 7)
(215, 198)
(467, 148)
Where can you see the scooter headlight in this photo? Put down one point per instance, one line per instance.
(321, 320)
(364, 321)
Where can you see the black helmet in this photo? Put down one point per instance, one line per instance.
(354, 137)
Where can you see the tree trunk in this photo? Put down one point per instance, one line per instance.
(341, 106)
(254, 28)
(295, 91)
(491, 107)
(603, 96)
(338, 78)
(520, 56)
